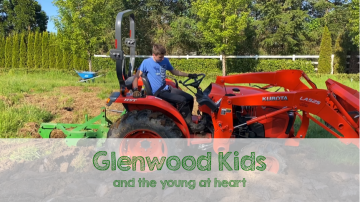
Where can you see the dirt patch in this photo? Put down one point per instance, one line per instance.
(57, 134)
(30, 128)
(6, 100)
(37, 135)
(63, 167)
(69, 104)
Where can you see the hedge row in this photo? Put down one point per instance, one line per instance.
(338, 76)
(213, 66)
(37, 51)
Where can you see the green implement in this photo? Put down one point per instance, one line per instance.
(77, 131)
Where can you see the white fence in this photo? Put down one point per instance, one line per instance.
(256, 57)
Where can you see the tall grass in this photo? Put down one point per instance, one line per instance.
(13, 118)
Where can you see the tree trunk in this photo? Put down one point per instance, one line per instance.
(353, 66)
(90, 64)
(224, 64)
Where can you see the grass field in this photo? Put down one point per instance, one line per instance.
(29, 98)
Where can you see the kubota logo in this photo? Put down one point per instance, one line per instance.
(310, 100)
(275, 98)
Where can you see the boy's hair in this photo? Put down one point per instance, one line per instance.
(158, 49)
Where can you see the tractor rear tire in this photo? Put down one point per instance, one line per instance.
(144, 126)
(156, 122)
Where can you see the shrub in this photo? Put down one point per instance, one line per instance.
(325, 53)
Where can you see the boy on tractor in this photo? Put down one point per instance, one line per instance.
(155, 69)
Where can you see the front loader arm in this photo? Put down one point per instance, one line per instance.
(288, 79)
(311, 101)
(350, 95)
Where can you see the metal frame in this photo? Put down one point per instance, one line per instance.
(118, 54)
(76, 131)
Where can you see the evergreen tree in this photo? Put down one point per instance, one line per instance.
(23, 54)
(59, 56)
(45, 51)
(80, 63)
(340, 53)
(52, 51)
(75, 61)
(279, 25)
(66, 59)
(2, 52)
(354, 22)
(324, 65)
(15, 51)
(30, 51)
(37, 49)
(8, 50)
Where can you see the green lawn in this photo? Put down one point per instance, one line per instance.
(16, 84)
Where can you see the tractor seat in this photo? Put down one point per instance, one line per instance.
(148, 89)
(129, 82)
(146, 83)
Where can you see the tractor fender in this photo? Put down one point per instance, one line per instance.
(156, 104)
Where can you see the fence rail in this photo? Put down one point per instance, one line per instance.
(256, 57)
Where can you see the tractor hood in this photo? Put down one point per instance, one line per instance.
(216, 91)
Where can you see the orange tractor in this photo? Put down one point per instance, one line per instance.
(229, 110)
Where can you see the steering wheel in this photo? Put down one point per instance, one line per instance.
(196, 82)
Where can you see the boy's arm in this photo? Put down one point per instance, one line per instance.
(136, 78)
(177, 72)
(180, 73)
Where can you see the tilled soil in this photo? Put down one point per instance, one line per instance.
(67, 174)
(69, 104)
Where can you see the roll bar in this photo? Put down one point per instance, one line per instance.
(118, 54)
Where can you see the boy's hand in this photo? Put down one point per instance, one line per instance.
(136, 94)
(192, 76)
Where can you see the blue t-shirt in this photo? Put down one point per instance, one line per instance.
(156, 72)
